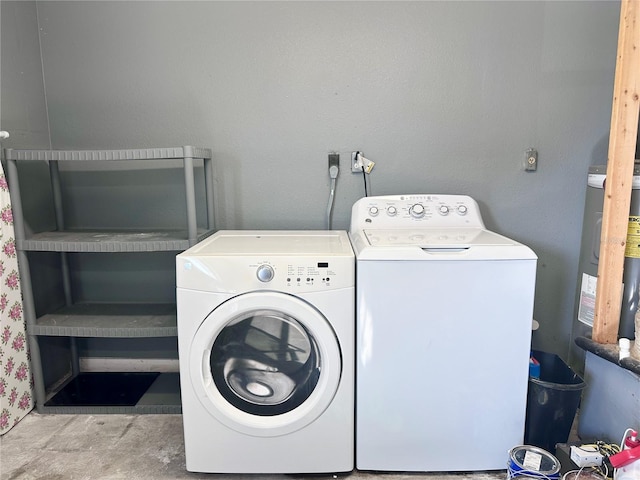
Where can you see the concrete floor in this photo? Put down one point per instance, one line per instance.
(131, 447)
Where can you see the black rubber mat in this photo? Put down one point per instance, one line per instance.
(103, 389)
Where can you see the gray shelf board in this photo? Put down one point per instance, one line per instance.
(111, 409)
(162, 397)
(112, 320)
(107, 241)
(169, 153)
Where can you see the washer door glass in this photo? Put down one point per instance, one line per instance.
(265, 363)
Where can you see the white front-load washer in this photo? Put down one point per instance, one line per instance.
(443, 328)
(266, 337)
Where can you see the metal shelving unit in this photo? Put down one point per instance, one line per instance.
(120, 320)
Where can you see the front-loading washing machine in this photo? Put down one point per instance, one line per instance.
(443, 328)
(266, 346)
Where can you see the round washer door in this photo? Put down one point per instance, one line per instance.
(265, 363)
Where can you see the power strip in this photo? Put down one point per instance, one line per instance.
(586, 456)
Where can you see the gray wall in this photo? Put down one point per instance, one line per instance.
(23, 109)
(445, 97)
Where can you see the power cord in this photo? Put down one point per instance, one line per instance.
(334, 170)
(364, 179)
(366, 166)
(606, 450)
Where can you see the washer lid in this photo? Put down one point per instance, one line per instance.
(436, 245)
(435, 238)
(274, 242)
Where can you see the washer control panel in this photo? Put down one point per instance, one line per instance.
(300, 274)
(416, 211)
(292, 261)
(294, 274)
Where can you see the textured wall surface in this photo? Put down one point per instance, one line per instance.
(445, 97)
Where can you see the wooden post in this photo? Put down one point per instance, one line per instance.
(622, 144)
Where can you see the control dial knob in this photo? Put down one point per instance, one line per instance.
(373, 211)
(265, 273)
(417, 210)
(462, 209)
(444, 210)
(392, 211)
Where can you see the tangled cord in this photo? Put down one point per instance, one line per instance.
(606, 450)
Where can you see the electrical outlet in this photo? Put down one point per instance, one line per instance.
(531, 160)
(356, 163)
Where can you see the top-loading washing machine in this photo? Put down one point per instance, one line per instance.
(266, 346)
(443, 328)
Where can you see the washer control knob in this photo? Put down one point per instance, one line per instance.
(265, 273)
(417, 210)
(444, 210)
(392, 211)
(373, 211)
(462, 209)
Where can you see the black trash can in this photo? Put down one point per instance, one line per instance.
(552, 402)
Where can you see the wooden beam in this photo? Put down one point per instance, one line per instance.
(621, 155)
